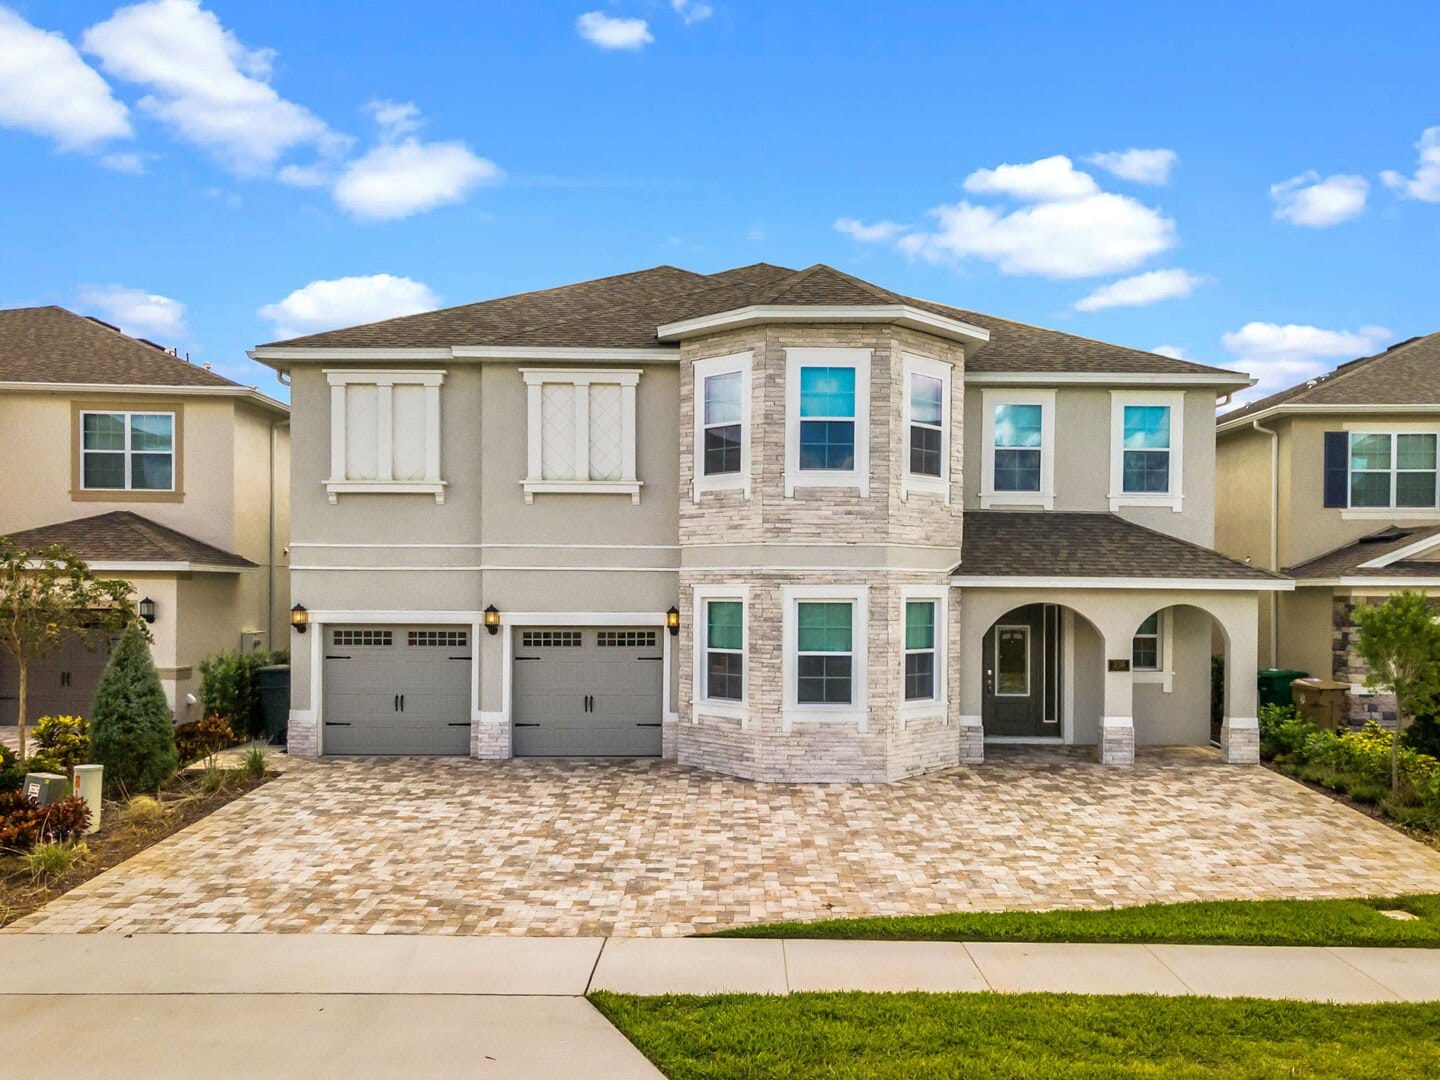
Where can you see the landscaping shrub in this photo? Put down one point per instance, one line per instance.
(66, 739)
(203, 738)
(254, 764)
(45, 761)
(47, 861)
(25, 823)
(229, 688)
(12, 773)
(130, 732)
(1281, 730)
(1424, 735)
(144, 811)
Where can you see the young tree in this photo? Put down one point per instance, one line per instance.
(131, 733)
(1400, 641)
(46, 596)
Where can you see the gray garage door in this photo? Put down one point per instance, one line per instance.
(62, 683)
(397, 689)
(587, 691)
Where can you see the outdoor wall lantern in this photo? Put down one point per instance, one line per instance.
(672, 620)
(147, 610)
(492, 619)
(299, 618)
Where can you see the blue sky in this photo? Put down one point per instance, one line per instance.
(214, 175)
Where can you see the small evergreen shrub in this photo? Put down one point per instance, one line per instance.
(25, 823)
(66, 739)
(130, 731)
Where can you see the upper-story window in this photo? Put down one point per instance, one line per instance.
(927, 427)
(827, 429)
(722, 424)
(1018, 448)
(1145, 450)
(385, 433)
(127, 451)
(1392, 469)
(581, 432)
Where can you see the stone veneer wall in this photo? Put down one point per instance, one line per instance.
(1347, 666)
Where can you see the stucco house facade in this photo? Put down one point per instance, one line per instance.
(1333, 482)
(156, 471)
(788, 525)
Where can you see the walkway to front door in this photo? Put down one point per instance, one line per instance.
(451, 845)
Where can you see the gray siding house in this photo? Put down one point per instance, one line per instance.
(788, 525)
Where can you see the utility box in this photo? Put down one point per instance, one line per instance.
(1274, 685)
(46, 787)
(1324, 702)
(89, 782)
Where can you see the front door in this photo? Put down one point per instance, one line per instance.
(1020, 687)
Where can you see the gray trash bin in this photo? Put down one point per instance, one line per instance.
(273, 683)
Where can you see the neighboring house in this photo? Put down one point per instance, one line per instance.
(881, 530)
(154, 470)
(1334, 480)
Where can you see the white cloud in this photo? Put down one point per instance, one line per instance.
(1174, 352)
(1282, 355)
(395, 180)
(608, 32)
(348, 301)
(1140, 290)
(203, 82)
(1425, 184)
(125, 162)
(879, 232)
(1141, 166)
(395, 118)
(47, 89)
(1308, 200)
(1048, 180)
(135, 311)
(692, 11)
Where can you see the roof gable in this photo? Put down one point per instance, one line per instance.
(124, 536)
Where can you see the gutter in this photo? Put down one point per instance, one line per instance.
(1274, 529)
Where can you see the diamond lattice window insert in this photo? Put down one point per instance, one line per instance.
(581, 432)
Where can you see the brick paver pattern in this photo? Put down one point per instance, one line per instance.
(456, 846)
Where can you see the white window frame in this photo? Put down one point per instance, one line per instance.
(937, 705)
(535, 482)
(700, 703)
(1164, 673)
(857, 478)
(857, 711)
(127, 452)
(708, 369)
(915, 482)
(1363, 513)
(1173, 498)
(384, 382)
(1045, 497)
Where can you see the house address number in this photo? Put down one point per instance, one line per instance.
(1119, 665)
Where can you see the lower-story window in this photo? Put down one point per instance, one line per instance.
(725, 650)
(920, 650)
(825, 655)
(1145, 649)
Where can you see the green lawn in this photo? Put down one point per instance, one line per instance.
(1236, 922)
(895, 1036)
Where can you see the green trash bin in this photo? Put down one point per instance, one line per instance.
(1274, 685)
(273, 682)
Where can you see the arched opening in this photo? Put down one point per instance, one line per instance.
(1175, 697)
(1028, 658)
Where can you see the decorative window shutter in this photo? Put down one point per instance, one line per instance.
(385, 432)
(1337, 469)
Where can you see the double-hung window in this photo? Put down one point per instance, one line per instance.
(1018, 430)
(127, 451)
(580, 432)
(927, 427)
(722, 424)
(1393, 469)
(924, 674)
(725, 650)
(1145, 454)
(824, 652)
(827, 431)
(1145, 649)
(385, 433)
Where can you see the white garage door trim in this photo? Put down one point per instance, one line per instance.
(320, 620)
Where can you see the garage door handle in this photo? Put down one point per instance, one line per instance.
(337, 723)
(518, 724)
(328, 657)
(647, 725)
(463, 723)
(466, 658)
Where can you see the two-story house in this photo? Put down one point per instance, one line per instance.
(154, 470)
(1334, 480)
(787, 525)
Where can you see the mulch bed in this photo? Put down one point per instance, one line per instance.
(1369, 809)
(118, 839)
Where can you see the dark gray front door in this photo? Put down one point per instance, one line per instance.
(397, 689)
(582, 691)
(1020, 674)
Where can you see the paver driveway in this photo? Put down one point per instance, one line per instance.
(533, 847)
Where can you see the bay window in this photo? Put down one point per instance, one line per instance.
(722, 424)
(827, 429)
(927, 427)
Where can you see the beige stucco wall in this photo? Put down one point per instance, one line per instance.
(1306, 622)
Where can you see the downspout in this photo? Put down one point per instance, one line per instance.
(1274, 533)
(270, 552)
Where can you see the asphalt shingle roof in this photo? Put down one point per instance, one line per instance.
(1407, 373)
(124, 536)
(1035, 543)
(624, 311)
(1347, 560)
(53, 345)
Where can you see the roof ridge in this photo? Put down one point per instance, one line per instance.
(776, 293)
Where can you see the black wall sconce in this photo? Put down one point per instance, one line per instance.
(492, 619)
(147, 610)
(299, 618)
(672, 620)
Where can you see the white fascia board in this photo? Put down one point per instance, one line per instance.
(962, 581)
(1358, 581)
(1230, 423)
(146, 390)
(282, 356)
(124, 567)
(1233, 379)
(1402, 554)
(266, 354)
(900, 314)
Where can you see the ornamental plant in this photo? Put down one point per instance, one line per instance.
(64, 739)
(130, 732)
(1400, 641)
(25, 823)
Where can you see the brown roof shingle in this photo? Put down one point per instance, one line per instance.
(1036, 543)
(124, 536)
(53, 345)
(1347, 560)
